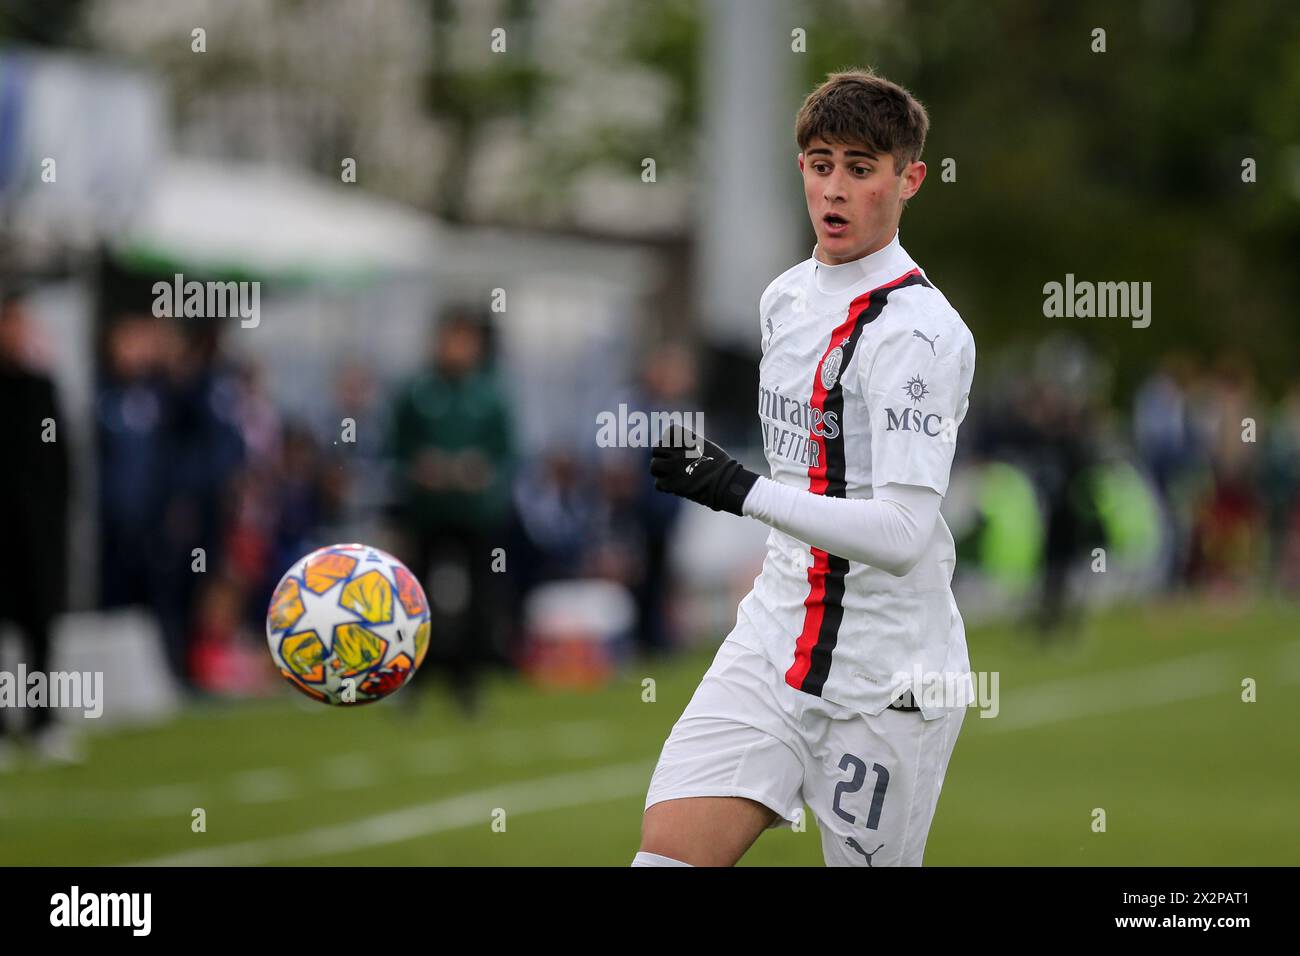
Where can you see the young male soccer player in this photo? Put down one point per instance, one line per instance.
(866, 370)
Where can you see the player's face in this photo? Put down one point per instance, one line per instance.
(854, 197)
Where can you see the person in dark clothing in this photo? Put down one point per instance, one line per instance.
(129, 407)
(1057, 440)
(668, 383)
(452, 450)
(202, 450)
(168, 446)
(33, 507)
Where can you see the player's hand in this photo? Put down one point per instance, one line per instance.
(693, 467)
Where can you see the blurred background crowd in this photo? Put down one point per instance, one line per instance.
(190, 452)
(501, 268)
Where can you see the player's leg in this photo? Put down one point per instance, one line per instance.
(728, 770)
(875, 785)
(704, 831)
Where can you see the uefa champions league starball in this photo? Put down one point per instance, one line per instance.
(348, 624)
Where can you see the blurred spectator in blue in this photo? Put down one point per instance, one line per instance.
(278, 510)
(203, 450)
(129, 421)
(453, 452)
(667, 384)
(356, 472)
(617, 548)
(555, 509)
(252, 559)
(302, 503)
(34, 519)
(1166, 444)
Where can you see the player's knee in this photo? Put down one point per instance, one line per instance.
(706, 831)
(678, 830)
(660, 838)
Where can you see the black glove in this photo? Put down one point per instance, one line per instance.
(712, 478)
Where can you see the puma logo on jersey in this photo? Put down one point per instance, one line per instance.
(930, 342)
(771, 331)
(690, 469)
(854, 843)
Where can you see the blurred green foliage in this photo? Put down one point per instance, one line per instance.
(1119, 166)
(40, 22)
(1123, 165)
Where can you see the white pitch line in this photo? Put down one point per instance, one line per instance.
(357, 770)
(427, 819)
(1184, 678)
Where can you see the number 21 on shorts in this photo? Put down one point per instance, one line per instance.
(854, 784)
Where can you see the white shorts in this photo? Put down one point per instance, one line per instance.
(872, 782)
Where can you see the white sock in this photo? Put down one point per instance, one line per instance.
(654, 859)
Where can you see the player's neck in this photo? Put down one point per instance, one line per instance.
(835, 278)
(820, 257)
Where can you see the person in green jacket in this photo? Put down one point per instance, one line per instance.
(453, 453)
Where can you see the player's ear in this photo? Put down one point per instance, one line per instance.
(913, 176)
(800, 158)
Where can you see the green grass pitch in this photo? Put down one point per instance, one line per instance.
(1142, 716)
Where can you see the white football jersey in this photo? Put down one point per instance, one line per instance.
(865, 378)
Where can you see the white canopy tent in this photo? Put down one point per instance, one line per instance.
(257, 219)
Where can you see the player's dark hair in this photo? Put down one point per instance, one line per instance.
(858, 106)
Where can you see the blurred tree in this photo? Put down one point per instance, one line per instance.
(41, 22)
(1123, 166)
(583, 92)
(468, 98)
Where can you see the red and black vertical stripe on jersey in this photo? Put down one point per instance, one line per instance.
(824, 606)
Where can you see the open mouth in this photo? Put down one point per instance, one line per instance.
(834, 223)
